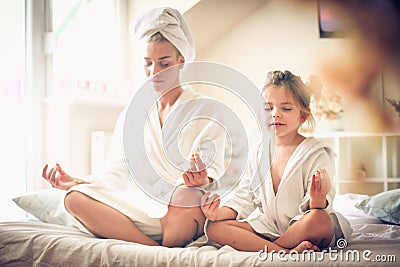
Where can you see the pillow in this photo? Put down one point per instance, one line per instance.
(384, 206)
(345, 203)
(46, 205)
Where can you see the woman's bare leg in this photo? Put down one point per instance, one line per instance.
(315, 226)
(241, 236)
(184, 220)
(104, 221)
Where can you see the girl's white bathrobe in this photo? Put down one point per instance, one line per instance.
(291, 201)
(114, 186)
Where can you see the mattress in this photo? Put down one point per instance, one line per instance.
(36, 243)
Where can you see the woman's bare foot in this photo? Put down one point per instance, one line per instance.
(305, 245)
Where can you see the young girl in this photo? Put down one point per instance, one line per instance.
(295, 201)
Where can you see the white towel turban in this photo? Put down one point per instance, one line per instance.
(171, 24)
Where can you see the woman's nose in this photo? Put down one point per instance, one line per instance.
(154, 70)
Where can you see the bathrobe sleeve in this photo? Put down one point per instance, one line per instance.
(208, 138)
(243, 200)
(322, 158)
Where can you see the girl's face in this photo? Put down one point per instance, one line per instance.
(158, 57)
(283, 112)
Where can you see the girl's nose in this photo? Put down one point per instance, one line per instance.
(275, 113)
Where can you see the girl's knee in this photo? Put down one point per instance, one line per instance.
(320, 215)
(214, 228)
(210, 230)
(319, 220)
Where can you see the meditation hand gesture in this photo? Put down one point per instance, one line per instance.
(210, 206)
(196, 175)
(320, 187)
(58, 178)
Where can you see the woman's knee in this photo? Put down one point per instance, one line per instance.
(74, 201)
(186, 197)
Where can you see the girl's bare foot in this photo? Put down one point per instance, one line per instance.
(305, 245)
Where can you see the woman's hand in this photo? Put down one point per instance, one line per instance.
(196, 175)
(58, 178)
(320, 187)
(210, 206)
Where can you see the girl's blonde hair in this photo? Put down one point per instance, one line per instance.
(298, 89)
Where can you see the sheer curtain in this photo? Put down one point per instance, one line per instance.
(35, 67)
(87, 45)
(13, 143)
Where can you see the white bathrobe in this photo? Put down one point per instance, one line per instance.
(291, 202)
(114, 186)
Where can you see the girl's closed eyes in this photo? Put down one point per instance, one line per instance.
(270, 108)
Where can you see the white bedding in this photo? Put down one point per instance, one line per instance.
(34, 243)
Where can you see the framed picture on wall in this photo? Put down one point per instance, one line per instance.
(331, 21)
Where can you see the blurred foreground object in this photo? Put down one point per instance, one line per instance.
(369, 57)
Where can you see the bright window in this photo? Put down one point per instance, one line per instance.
(86, 56)
(13, 155)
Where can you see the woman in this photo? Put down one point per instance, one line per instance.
(114, 206)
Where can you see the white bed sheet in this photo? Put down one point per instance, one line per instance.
(35, 243)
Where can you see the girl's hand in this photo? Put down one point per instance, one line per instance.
(58, 178)
(320, 187)
(196, 175)
(210, 206)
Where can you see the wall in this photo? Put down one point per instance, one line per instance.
(251, 36)
(278, 35)
(275, 34)
(84, 119)
(262, 35)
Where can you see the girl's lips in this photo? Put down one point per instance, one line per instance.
(276, 124)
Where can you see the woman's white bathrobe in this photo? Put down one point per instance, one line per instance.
(114, 185)
(291, 202)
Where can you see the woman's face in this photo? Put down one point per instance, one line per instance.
(158, 59)
(283, 112)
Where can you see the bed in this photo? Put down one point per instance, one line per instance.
(33, 242)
